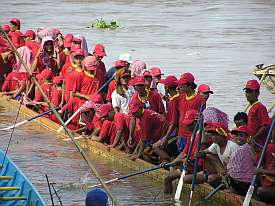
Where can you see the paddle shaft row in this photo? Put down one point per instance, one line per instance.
(79, 109)
(253, 182)
(180, 184)
(135, 173)
(91, 166)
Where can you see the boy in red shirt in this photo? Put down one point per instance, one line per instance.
(258, 119)
(189, 100)
(162, 148)
(151, 126)
(15, 33)
(30, 42)
(99, 53)
(205, 91)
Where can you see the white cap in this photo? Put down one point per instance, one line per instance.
(125, 57)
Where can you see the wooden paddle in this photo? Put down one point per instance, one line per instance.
(253, 182)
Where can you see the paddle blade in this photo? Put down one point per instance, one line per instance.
(15, 125)
(248, 196)
(179, 187)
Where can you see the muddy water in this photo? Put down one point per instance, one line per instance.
(220, 41)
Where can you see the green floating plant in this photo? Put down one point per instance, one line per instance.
(102, 24)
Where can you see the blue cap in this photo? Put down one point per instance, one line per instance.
(96, 197)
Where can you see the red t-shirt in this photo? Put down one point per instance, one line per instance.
(172, 116)
(111, 88)
(77, 77)
(108, 131)
(34, 46)
(47, 89)
(100, 72)
(193, 102)
(257, 117)
(16, 38)
(12, 82)
(89, 85)
(269, 181)
(194, 148)
(56, 97)
(122, 122)
(152, 126)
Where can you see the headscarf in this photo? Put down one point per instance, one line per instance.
(84, 45)
(26, 55)
(137, 68)
(45, 58)
(212, 114)
(42, 33)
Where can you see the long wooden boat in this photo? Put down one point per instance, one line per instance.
(15, 188)
(220, 198)
(266, 75)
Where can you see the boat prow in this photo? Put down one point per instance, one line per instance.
(15, 187)
(266, 75)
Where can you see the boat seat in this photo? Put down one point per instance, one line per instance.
(9, 188)
(5, 177)
(12, 198)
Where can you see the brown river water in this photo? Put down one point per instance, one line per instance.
(220, 41)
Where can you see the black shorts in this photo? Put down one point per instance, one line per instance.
(172, 147)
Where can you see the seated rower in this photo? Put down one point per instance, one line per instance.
(266, 192)
(242, 163)
(162, 148)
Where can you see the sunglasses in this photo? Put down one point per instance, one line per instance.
(126, 77)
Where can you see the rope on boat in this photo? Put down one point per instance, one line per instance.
(11, 135)
(91, 166)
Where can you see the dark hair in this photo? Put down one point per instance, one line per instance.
(192, 84)
(174, 87)
(241, 116)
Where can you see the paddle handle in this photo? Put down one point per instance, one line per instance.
(44, 113)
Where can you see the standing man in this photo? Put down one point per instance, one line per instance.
(99, 53)
(15, 33)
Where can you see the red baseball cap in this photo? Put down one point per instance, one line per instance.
(103, 110)
(15, 21)
(46, 74)
(76, 40)
(68, 40)
(78, 52)
(100, 50)
(186, 78)
(170, 80)
(242, 129)
(29, 33)
(156, 71)
(57, 79)
(190, 116)
(121, 63)
(217, 127)
(147, 73)
(204, 88)
(139, 80)
(252, 84)
(90, 63)
(134, 106)
(6, 28)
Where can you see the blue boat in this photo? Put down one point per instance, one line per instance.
(15, 188)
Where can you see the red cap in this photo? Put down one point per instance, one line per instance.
(147, 73)
(29, 33)
(46, 74)
(139, 80)
(15, 21)
(134, 106)
(156, 71)
(170, 80)
(217, 127)
(6, 28)
(100, 50)
(252, 84)
(186, 78)
(68, 40)
(242, 128)
(96, 98)
(121, 63)
(78, 52)
(90, 63)
(190, 116)
(103, 110)
(204, 88)
(76, 40)
(57, 79)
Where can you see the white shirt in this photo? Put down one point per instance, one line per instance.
(122, 102)
(229, 149)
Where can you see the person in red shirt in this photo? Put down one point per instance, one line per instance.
(65, 55)
(258, 119)
(29, 38)
(205, 91)
(15, 33)
(56, 99)
(119, 64)
(99, 53)
(267, 191)
(150, 125)
(189, 100)
(156, 72)
(162, 148)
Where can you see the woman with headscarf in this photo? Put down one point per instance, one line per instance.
(123, 93)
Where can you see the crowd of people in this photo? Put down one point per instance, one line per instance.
(124, 108)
